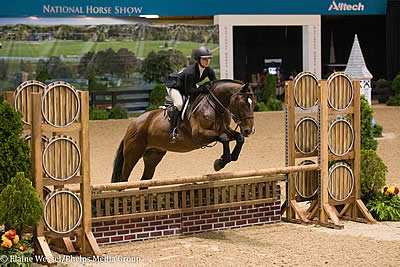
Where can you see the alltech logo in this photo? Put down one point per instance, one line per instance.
(345, 6)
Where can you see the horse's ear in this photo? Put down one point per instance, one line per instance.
(245, 87)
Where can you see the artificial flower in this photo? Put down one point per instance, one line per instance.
(391, 189)
(16, 239)
(396, 190)
(6, 243)
(22, 248)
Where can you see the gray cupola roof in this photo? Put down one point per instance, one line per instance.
(356, 67)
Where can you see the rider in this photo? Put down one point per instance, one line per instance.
(185, 83)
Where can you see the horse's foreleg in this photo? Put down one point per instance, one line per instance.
(226, 154)
(239, 143)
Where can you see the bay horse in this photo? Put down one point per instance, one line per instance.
(207, 120)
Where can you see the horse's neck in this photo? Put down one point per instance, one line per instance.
(224, 94)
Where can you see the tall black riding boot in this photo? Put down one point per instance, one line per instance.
(173, 133)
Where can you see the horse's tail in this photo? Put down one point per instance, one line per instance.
(118, 163)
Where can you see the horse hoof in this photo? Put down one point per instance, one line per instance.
(218, 164)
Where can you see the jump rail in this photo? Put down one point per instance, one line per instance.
(203, 178)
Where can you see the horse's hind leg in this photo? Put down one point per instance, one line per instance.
(151, 159)
(132, 153)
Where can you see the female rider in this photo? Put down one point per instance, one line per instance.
(184, 83)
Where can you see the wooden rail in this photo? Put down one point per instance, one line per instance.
(203, 178)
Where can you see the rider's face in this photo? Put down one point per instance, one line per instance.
(205, 61)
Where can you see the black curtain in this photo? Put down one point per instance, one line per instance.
(393, 38)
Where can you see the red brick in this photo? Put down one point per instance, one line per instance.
(200, 222)
(229, 224)
(102, 229)
(122, 221)
(205, 216)
(253, 220)
(248, 216)
(171, 226)
(142, 224)
(241, 222)
(129, 237)
(110, 233)
(194, 228)
(223, 209)
(265, 209)
(212, 220)
(268, 213)
(235, 218)
(162, 227)
(206, 227)
(156, 233)
(188, 223)
(255, 210)
(276, 208)
(144, 235)
(123, 232)
(275, 218)
(229, 213)
(264, 219)
(200, 212)
(235, 208)
(219, 214)
(173, 216)
(150, 218)
(97, 224)
(168, 221)
(98, 235)
(259, 214)
(240, 212)
(178, 231)
(161, 217)
(103, 240)
(109, 223)
(188, 214)
(246, 207)
(183, 229)
(148, 229)
(178, 220)
(135, 220)
(136, 230)
(116, 227)
(128, 226)
(212, 211)
(192, 218)
(116, 238)
(218, 225)
(259, 205)
(155, 223)
(169, 232)
(223, 219)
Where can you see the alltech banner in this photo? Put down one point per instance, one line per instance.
(56, 8)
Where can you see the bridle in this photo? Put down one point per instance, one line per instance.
(236, 118)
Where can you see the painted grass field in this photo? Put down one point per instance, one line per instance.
(70, 47)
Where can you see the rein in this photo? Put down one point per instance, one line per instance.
(235, 118)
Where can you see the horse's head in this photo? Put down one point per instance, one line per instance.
(242, 105)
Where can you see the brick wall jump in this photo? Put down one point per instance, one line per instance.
(136, 229)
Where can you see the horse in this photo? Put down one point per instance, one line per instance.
(207, 120)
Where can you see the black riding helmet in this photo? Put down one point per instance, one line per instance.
(201, 52)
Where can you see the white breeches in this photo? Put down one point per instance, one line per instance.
(176, 97)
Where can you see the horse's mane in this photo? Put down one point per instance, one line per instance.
(226, 80)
